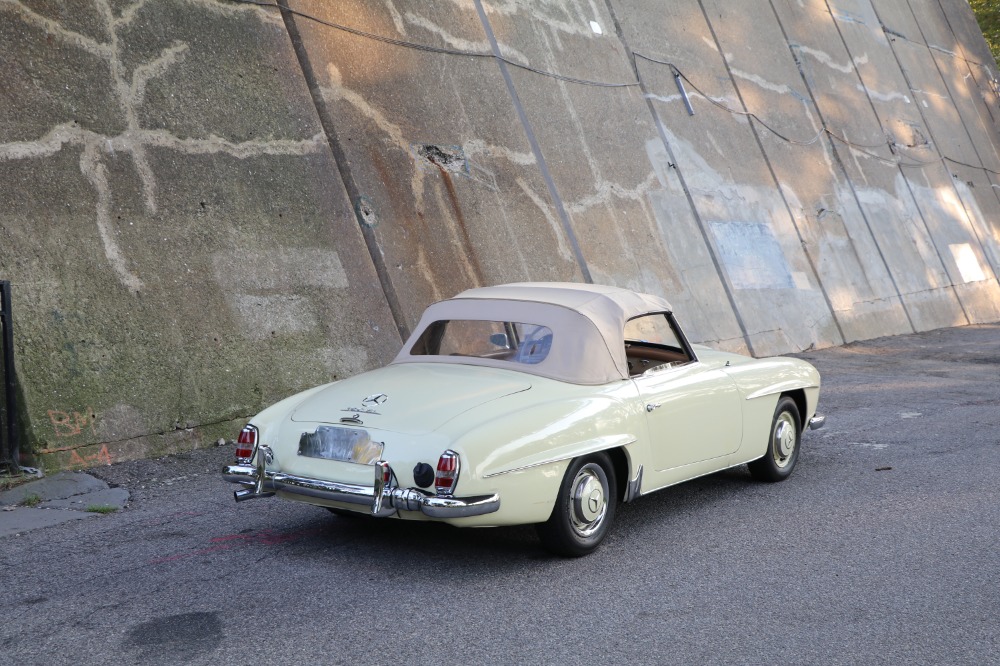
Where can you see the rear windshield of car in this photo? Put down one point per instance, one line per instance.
(499, 340)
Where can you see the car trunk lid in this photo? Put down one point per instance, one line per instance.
(409, 398)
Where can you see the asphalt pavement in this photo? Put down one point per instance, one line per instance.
(57, 499)
(882, 548)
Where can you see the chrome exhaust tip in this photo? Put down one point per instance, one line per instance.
(817, 422)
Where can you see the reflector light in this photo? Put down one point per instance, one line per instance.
(448, 468)
(245, 443)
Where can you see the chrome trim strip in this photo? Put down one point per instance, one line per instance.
(817, 421)
(604, 445)
(533, 465)
(454, 507)
(393, 499)
(781, 388)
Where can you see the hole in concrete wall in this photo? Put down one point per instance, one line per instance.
(366, 212)
(447, 158)
(917, 137)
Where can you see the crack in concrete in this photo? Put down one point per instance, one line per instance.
(825, 58)
(606, 191)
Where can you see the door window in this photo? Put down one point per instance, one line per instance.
(651, 342)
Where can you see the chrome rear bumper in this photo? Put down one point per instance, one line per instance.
(393, 499)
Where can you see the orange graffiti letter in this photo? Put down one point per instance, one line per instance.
(103, 456)
(63, 424)
(75, 460)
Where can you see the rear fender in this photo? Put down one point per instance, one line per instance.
(558, 430)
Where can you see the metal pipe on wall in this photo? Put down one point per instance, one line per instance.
(9, 451)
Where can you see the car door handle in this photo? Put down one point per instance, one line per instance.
(651, 406)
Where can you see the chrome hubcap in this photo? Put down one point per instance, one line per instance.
(588, 500)
(784, 439)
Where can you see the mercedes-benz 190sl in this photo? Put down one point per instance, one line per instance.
(544, 403)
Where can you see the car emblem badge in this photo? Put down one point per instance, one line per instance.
(368, 404)
(595, 501)
(374, 400)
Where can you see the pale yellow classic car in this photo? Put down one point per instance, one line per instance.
(544, 403)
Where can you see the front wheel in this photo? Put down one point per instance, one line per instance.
(585, 507)
(783, 446)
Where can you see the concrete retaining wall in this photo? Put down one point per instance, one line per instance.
(207, 205)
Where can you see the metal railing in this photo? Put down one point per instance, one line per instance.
(9, 450)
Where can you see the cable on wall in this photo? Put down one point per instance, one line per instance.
(676, 72)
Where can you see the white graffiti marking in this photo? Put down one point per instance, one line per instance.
(130, 92)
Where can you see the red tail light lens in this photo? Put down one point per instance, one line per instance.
(245, 444)
(447, 473)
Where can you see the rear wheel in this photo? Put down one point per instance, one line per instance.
(585, 507)
(783, 446)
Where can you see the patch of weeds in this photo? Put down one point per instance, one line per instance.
(101, 508)
(8, 482)
(31, 500)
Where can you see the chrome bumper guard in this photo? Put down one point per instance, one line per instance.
(262, 482)
(817, 421)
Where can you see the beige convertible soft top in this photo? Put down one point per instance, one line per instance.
(587, 323)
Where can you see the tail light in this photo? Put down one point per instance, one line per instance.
(447, 473)
(245, 444)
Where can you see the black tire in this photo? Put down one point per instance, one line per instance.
(585, 508)
(782, 446)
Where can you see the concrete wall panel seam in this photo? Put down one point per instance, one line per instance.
(975, 145)
(710, 247)
(347, 178)
(847, 178)
(535, 148)
(774, 177)
(899, 166)
(920, 111)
